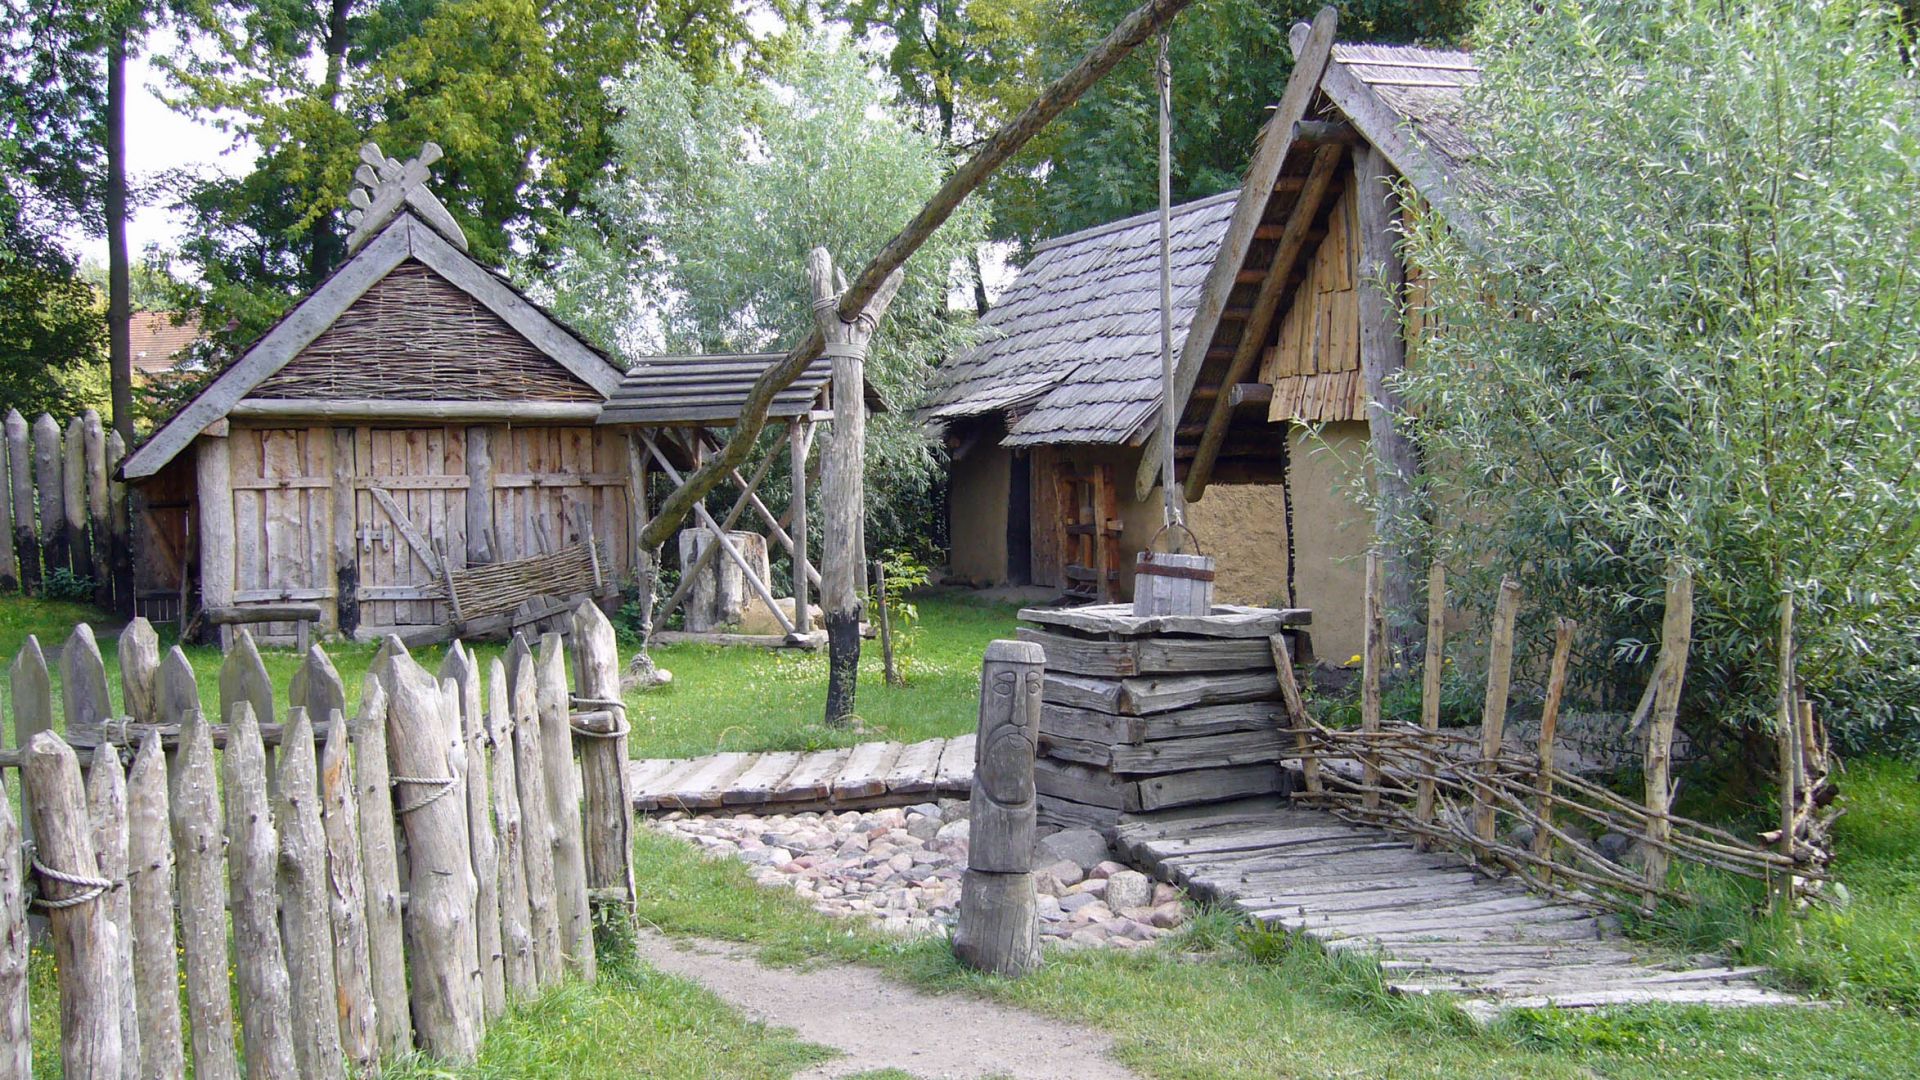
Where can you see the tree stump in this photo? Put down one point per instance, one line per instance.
(997, 931)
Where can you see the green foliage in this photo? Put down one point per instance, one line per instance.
(906, 575)
(699, 240)
(62, 585)
(1679, 327)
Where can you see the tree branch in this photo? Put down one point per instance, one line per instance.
(1143, 23)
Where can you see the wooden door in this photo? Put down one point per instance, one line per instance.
(410, 512)
(282, 520)
(1089, 530)
(554, 486)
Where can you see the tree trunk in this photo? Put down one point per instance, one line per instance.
(119, 288)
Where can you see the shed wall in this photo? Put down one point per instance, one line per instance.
(977, 512)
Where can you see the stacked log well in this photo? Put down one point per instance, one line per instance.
(1143, 713)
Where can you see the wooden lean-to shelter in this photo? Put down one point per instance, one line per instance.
(1282, 340)
(415, 415)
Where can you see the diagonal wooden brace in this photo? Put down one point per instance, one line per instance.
(726, 545)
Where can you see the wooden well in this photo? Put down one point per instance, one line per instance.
(1143, 713)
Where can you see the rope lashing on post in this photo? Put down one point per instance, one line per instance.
(615, 711)
(445, 785)
(92, 888)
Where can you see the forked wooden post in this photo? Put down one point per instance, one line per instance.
(1563, 629)
(997, 930)
(1431, 682)
(1372, 659)
(71, 889)
(1493, 715)
(1670, 671)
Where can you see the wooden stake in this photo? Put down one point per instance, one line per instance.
(1787, 749)
(84, 944)
(469, 942)
(1676, 635)
(516, 928)
(107, 812)
(1563, 629)
(32, 693)
(94, 462)
(563, 808)
(459, 667)
(26, 534)
(607, 799)
(73, 477)
(1296, 710)
(536, 815)
(798, 440)
(266, 998)
(305, 919)
(380, 866)
(1372, 659)
(16, 1026)
(439, 912)
(139, 651)
(1493, 716)
(1430, 687)
(346, 901)
(83, 681)
(201, 843)
(886, 624)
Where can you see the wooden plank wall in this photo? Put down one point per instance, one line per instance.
(1314, 367)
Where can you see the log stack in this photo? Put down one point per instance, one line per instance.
(1143, 713)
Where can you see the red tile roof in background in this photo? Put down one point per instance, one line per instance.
(156, 339)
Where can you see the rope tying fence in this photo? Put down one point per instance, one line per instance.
(446, 784)
(93, 888)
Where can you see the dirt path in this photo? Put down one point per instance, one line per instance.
(878, 1024)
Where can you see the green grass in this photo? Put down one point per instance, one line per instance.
(720, 698)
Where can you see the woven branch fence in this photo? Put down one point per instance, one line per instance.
(1508, 808)
(61, 509)
(345, 889)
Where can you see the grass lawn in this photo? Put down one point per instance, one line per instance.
(1218, 1001)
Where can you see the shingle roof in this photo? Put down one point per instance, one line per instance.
(1073, 347)
(1427, 88)
(156, 339)
(711, 389)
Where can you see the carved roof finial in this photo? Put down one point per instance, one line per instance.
(387, 185)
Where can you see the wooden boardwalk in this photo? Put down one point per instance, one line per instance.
(790, 781)
(1436, 923)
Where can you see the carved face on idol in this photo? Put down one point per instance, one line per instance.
(1005, 775)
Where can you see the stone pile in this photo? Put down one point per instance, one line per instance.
(901, 868)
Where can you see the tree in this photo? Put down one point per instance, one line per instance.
(516, 92)
(720, 190)
(1684, 329)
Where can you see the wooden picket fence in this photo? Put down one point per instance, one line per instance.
(390, 881)
(62, 509)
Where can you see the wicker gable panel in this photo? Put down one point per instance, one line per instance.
(415, 336)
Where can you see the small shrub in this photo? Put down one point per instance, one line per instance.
(65, 585)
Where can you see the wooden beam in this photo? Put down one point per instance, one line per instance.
(1386, 130)
(213, 472)
(1326, 162)
(1242, 393)
(1383, 354)
(580, 412)
(799, 435)
(1316, 133)
(1312, 47)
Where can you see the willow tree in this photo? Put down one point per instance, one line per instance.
(1687, 331)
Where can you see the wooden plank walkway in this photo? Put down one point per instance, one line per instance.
(787, 781)
(1435, 922)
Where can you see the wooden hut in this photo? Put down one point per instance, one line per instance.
(1282, 342)
(414, 414)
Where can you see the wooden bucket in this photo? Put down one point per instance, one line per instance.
(1168, 584)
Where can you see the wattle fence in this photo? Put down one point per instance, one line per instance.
(63, 513)
(390, 881)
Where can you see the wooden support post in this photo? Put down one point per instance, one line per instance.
(346, 900)
(479, 495)
(1430, 686)
(156, 974)
(1373, 656)
(536, 814)
(266, 998)
(468, 942)
(998, 930)
(84, 947)
(1493, 715)
(1296, 706)
(94, 463)
(707, 554)
(305, 918)
(886, 624)
(73, 498)
(214, 497)
(1670, 671)
(563, 799)
(139, 651)
(516, 928)
(1787, 750)
(607, 807)
(1563, 629)
(798, 437)
(48, 455)
(83, 681)
(346, 552)
(119, 527)
(107, 813)
(26, 534)
(461, 668)
(201, 841)
(1383, 354)
(844, 494)
(16, 1025)
(438, 914)
(380, 868)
